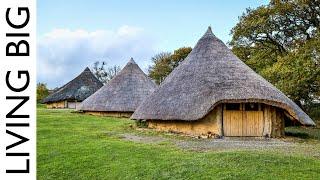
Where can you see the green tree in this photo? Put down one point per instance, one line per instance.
(165, 62)
(161, 67)
(42, 91)
(298, 73)
(179, 55)
(280, 41)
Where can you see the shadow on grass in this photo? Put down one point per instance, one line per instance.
(301, 135)
(303, 132)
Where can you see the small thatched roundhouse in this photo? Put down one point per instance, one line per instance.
(122, 95)
(212, 92)
(74, 92)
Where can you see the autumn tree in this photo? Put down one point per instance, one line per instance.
(280, 41)
(42, 91)
(165, 62)
(103, 72)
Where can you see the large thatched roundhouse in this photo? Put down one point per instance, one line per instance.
(214, 92)
(74, 92)
(122, 95)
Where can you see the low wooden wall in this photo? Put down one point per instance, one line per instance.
(273, 123)
(110, 114)
(56, 105)
(209, 125)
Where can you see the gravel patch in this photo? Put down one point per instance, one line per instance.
(142, 139)
(234, 144)
(213, 144)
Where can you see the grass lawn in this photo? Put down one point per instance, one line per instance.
(76, 146)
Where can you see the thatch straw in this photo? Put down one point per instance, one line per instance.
(123, 93)
(77, 89)
(210, 75)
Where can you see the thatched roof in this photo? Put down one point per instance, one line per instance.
(78, 89)
(210, 75)
(123, 93)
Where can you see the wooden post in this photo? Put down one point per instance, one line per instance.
(267, 121)
(279, 123)
(219, 117)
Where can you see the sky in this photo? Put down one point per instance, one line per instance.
(73, 34)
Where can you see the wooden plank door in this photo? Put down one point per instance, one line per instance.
(252, 123)
(243, 123)
(232, 123)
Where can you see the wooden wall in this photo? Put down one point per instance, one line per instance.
(110, 114)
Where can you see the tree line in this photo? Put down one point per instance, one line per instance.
(280, 41)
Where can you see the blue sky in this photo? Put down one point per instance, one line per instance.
(73, 34)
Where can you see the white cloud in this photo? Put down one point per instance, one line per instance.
(64, 53)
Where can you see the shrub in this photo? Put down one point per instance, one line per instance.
(141, 123)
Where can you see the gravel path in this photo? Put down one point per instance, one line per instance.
(143, 139)
(214, 144)
(234, 144)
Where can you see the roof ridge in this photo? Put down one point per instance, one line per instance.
(132, 61)
(209, 32)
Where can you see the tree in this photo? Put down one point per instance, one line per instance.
(298, 73)
(179, 55)
(161, 67)
(104, 73)
(165, 62)
(280, 42)
(42, 91)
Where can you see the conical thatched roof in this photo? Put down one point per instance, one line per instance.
(78, 89)
(211, 74)
(123, 93)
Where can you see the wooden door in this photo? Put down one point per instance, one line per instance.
(242, 122)
(232, 123)
(252, 123)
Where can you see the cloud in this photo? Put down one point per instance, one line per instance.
(64, 53)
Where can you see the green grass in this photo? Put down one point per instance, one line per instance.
(304, 132)
(76, 146)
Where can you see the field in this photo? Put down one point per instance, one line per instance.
(76, 146)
